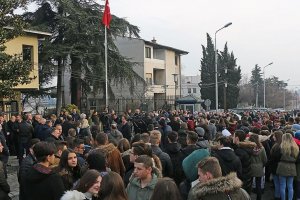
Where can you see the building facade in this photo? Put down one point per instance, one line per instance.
(27, 46)
(189, 86)
(159, 65)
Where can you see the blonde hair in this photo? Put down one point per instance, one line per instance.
(155, 137)
(288, 146)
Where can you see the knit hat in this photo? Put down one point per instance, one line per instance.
(226, 133)
(189, 164)
(297, 135)
(296, 127)
(200, 131)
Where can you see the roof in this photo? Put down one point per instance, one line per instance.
(38, 33)
(159, 46)
(189, 99)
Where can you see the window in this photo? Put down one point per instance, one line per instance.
(147, 52)
(176, 59)
(27, 51)
(149, 78)
(189, 90)
(194, 90)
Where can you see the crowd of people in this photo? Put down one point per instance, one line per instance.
(169, 155)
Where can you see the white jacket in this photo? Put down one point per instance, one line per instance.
(73, 195)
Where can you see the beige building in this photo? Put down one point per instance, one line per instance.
(158, 65)
(27, 46)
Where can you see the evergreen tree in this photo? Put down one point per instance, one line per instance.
(229, 78)
(257, 85)
(13, 70)
(78, 41)
(207, 84)
(228, 74)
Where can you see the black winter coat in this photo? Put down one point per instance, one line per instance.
(229, 162)
(244, 151)
(42, 183)
(175, 153)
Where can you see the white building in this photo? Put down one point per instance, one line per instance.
(189, 86)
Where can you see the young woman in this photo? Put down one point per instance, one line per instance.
(112, 187)
(166, 189)
(68, 168)
(258, 162)
(87, 188)
(286, 169)
(274, 160)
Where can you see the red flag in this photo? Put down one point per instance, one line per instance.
(106, 15)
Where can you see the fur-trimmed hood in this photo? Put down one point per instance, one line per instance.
(108, 148)
(73, 195)
(224, 184)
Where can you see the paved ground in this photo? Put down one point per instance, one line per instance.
(14, 185)
(12, 179)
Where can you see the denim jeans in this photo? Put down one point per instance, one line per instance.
(286, 181)
(276, 185)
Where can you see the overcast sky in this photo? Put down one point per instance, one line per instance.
(263, 31)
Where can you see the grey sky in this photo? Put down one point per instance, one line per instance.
(263, 31)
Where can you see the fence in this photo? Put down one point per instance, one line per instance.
(122, 104)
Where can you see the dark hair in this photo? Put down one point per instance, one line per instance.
(173, 136)
(240, 134)
(166, 189)
(95, 129)
(101, 138)
(77, 142)
(146, 160)
(192, 136)
(63, 163)
(141, 148)
(136, 138)
(96, 161)
(33, 142)
(123, 145)
(42, 150)
(88, 179)
(145, 137)
(225, 141)
(112, 187)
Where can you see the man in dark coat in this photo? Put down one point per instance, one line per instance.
(41, 182)
(126, 129)
(244, 151)
(173, 149)
(167, 168)
(229, 162)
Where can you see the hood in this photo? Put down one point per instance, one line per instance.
(150, 186)
(224, 184)
(38, 173)
(256, 151)
(173, 148)
(116, 133)
(108, 148)
(247, 146)
(74, 195)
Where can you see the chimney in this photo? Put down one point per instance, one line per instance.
(153, 40)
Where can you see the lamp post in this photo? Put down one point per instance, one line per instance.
(175, 81)
(216, 64)
(265, 83)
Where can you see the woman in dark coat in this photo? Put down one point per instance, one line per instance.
(69, 169)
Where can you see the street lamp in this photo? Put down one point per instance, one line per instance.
(265, 83)
(216, 64)
(175, 81)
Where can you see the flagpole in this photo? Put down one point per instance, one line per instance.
(106, 81)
